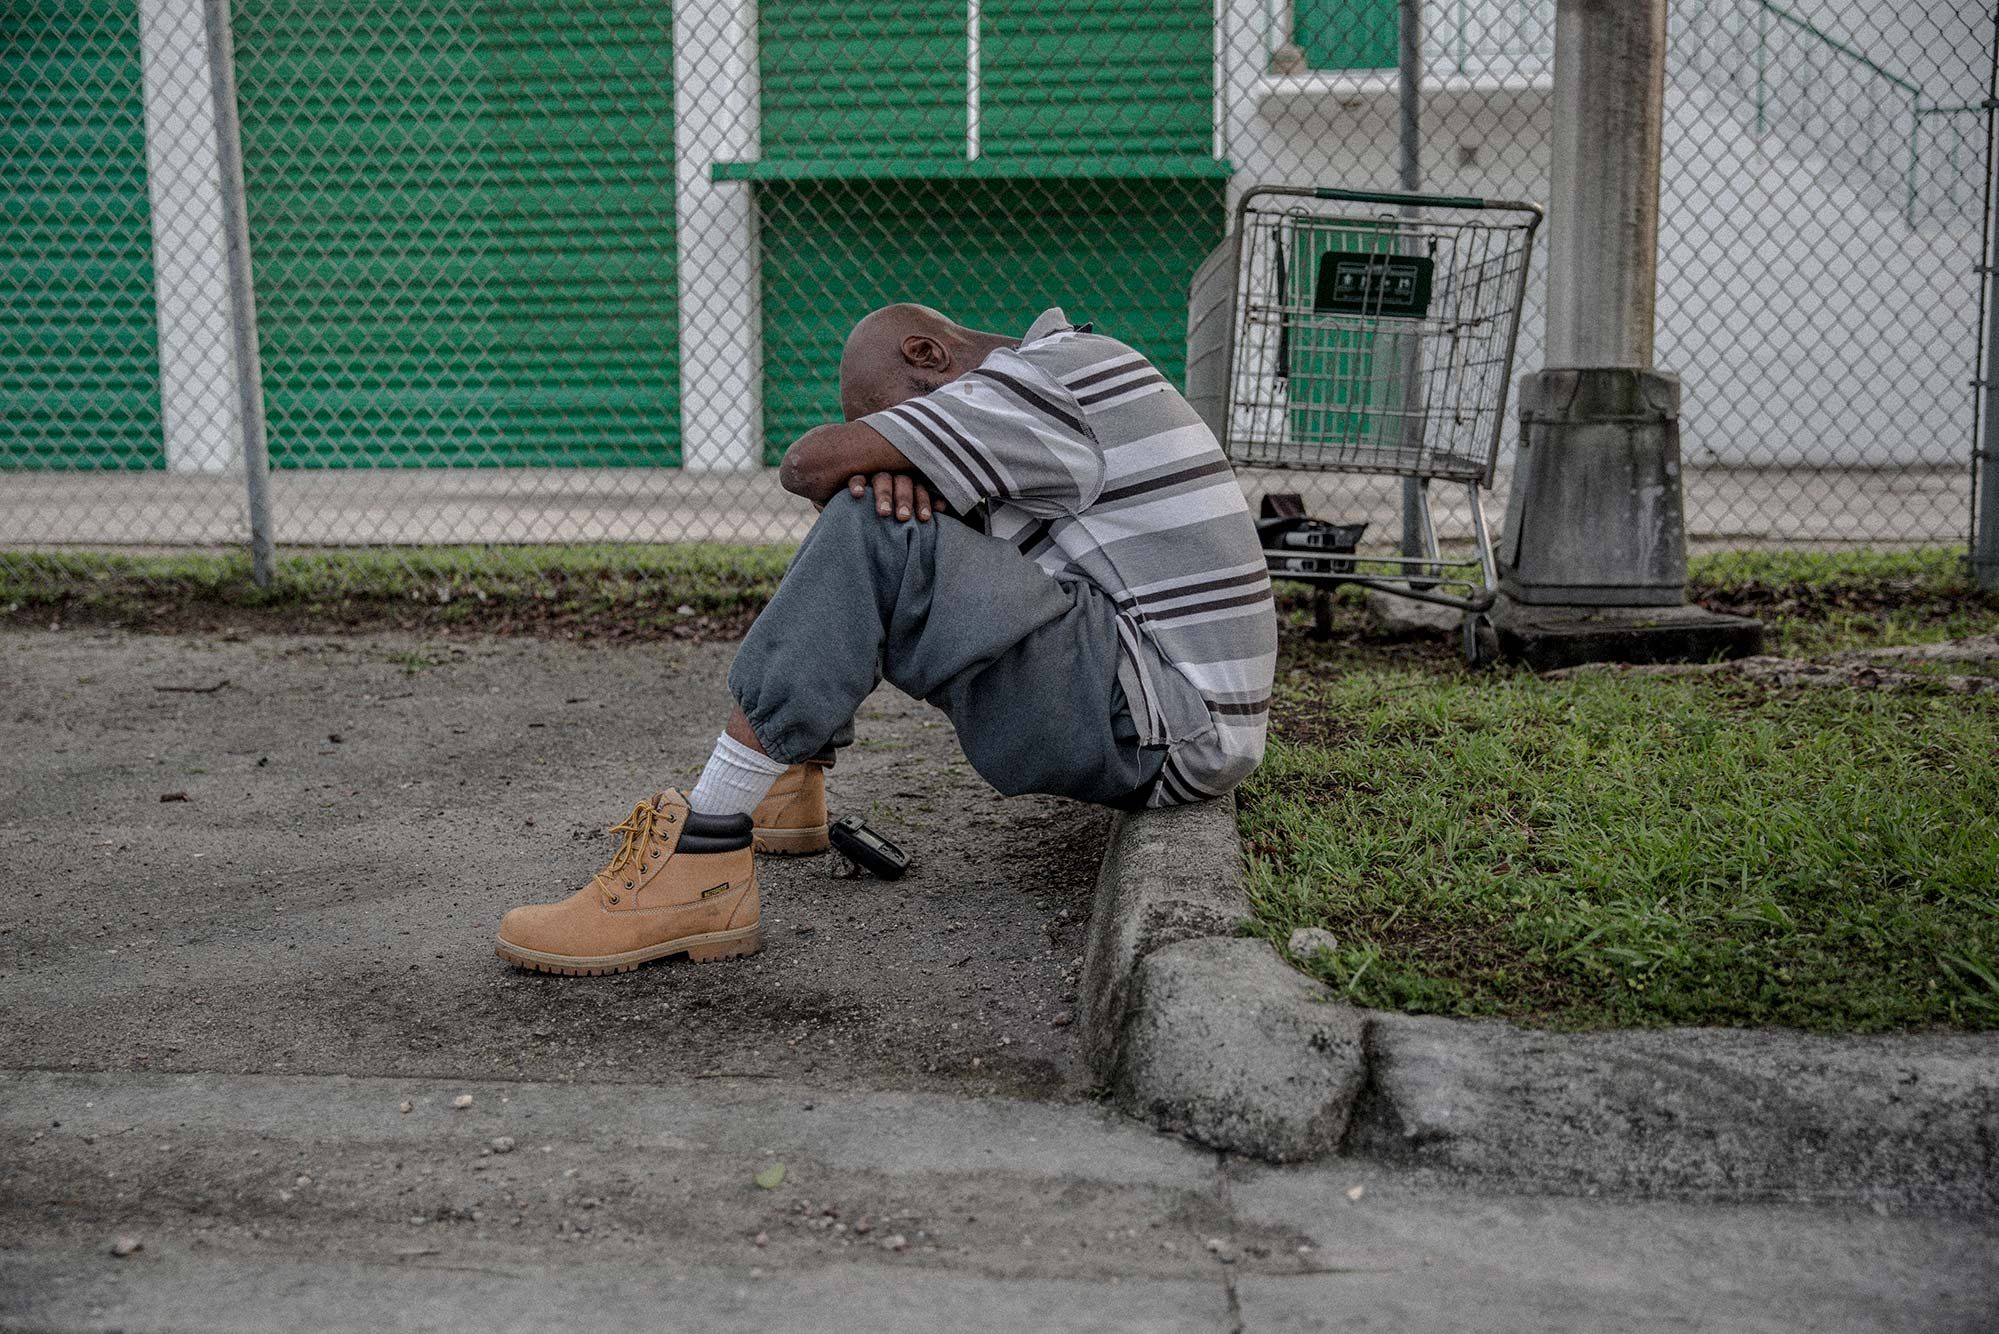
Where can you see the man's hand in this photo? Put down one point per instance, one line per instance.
(899, 494)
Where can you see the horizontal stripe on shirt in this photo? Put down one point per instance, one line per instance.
(1117, 390)
(1209, 469)
(1035, 400)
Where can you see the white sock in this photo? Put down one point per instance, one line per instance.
(736, 779)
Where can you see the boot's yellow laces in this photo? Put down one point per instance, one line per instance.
(638, 831)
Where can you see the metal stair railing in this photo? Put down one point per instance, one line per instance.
(1821, 94)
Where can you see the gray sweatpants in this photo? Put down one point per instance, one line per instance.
(1024, 663)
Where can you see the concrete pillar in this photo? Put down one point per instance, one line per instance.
(1603, 242)
(190, 250)
(1593, 560)
(721, 320)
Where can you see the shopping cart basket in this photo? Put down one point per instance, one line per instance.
(1325, 337)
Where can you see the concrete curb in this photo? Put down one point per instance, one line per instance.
(1226, 1044)
(1167, 876)
(1218, 1039)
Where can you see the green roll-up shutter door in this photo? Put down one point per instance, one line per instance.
(584, 312)
(79, 357)
(1062, 84)
(861, 80)
(462, 219)
(363, 158)
(991, 254)
(1089, 77)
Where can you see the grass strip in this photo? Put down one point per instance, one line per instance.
(602, 587)
(1612, 852)
(1814, 602)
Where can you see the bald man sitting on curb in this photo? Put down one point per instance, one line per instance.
(1099, 626)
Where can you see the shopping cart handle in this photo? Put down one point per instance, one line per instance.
(1390, 197)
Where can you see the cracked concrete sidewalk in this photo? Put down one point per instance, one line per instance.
(212, 1011)
(313, 1201)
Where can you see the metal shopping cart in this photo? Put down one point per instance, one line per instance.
(1327, 338)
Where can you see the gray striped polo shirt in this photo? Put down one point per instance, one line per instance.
(1091, 463)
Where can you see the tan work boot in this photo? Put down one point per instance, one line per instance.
(681, 883)
(791, 820)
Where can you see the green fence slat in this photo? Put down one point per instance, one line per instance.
(79, 360)
(464, 232)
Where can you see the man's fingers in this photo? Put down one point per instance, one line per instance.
(896, 494)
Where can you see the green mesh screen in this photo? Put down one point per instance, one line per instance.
(79, 371)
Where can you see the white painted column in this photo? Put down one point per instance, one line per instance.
(721, 322)
(1603, 213)
(1246, 33)
(190, 250)
(972, 43)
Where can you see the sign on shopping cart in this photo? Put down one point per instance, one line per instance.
(1356, 283)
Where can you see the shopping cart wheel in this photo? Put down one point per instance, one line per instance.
(1481, 642)
(1322, 613)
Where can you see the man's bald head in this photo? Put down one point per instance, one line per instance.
(904, 351)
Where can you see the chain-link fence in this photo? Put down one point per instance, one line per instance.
(523, 271)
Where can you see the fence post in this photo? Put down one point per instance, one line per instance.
(1985, 459)
(1985, 466)
(242, 293)
(1762, 74)
(1409, 98)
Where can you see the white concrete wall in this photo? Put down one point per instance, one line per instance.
(190, 257)
(1943, 45)
(1810, 322)
(721, 324)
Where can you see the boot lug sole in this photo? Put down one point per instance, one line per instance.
(711, 947)
(792, 842)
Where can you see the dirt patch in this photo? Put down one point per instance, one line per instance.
(1351, 640)
(360, 811)
(540, 618)
(1819, 599)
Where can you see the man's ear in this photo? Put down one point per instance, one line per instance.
(926, 353)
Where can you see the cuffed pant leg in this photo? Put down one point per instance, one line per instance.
(1048, 715)
(921, 603)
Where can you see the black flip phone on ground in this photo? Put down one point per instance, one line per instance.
(866, 849)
